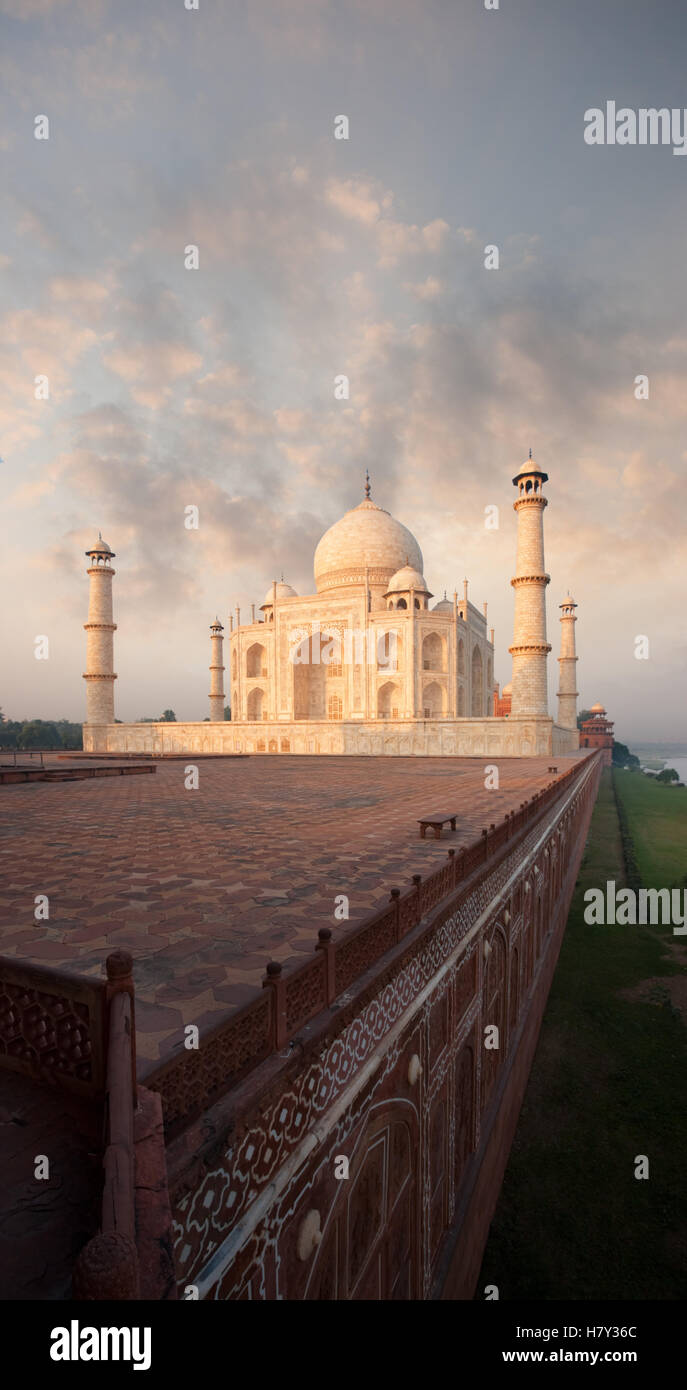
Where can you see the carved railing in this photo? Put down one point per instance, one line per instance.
(194, 1080)
(107, 1267)
(52, 1026)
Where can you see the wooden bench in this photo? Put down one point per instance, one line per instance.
(436, 822)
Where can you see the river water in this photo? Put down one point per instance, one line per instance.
(680, 765)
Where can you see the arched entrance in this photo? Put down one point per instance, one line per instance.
(477, 683)
(433, 700)
(388, 701)
(254, 704)
(256, 661)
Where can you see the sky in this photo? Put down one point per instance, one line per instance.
(318, 256)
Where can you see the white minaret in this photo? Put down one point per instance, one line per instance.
(530, 647)
(216, 672)
(567, 694)
(99, 675)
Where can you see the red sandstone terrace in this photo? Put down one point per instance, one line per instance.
(205, 887)
(362, 1039)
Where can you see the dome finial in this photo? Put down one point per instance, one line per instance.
(367, 483)
(530, 453)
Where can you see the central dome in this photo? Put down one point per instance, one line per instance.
(369, 538)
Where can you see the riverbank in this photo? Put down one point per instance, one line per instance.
(607, 1084)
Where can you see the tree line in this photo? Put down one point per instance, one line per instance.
(39, 733)
(62, 733)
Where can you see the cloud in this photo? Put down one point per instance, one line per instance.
(78, 290)
(152, 369)
(397, 240)
(356, 199)
(431, 288)
(316, 258)
(26, 10)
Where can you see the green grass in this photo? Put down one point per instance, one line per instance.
(607, 1083)
(657, 819)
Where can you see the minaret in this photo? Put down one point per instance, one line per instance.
(216, 670)
(567, 694)
(99, 675)
(530, 647)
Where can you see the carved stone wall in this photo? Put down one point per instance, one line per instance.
(401, 738)
(405, 1090)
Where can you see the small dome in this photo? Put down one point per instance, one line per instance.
(405, 579)
(100, 548)
(282, 590)
(597, 709)
(507, 689)
(530, 468)
(444, 605)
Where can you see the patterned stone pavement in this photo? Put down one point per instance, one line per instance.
(204, 887)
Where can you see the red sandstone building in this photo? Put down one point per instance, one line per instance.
(597, 732)
(502, 702)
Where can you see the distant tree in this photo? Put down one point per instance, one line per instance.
(206, 719)
(227, 711)
(622, 757)
(668, 775)
(583, 715)
(71, 734)
(168, 717)
(10, 730)
(39, 733)
(147, 719)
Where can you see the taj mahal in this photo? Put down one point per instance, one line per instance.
(368, 664)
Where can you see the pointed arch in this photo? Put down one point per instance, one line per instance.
(514, 991)
(388, 700)
(477, 673)
(256, 660)
(494, 1009)
(433, 700)
(433, 652)
(309, 680)
(254, 706)
(388, 650)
